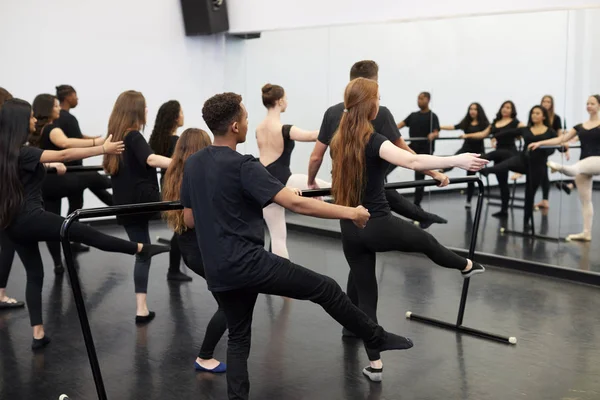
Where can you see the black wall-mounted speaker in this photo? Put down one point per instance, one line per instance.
(204, 17)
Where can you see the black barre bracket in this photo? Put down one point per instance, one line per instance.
(175, 205)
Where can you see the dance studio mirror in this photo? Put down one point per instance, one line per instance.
(487, 60)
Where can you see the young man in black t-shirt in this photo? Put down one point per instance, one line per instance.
(384, 124)
(424, 126)
(223, 194)
(98, 184)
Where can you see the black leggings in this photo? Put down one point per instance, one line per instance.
(97, 183)
(217, 325)
(7, 255)
(384, 234)
(289, 280)
(175, 256)
(139, 232)
(38, 226)
(498, 156)
(535, 169)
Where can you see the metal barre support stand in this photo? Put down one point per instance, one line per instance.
(167, 206)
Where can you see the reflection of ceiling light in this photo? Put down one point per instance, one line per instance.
(217, 4)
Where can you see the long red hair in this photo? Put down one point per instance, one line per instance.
(349, 142)
(190, 141)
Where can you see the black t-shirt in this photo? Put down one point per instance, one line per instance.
(505, 136)
(420, 125)
(31, 175)
(557, 123)
(136, 181)
(590, 141)
(227, 192)
(384, 123)
(373, 198)
(70, 126)
(539, 156)
(472, 145)
(172, 143)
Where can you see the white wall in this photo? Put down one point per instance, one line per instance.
(104, 48)
(267, 15)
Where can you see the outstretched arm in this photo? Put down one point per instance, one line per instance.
(300, 135)
(557, 141)
(59, 139)
(478, 135)
(109, 147)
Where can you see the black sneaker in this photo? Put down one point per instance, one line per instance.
(475, 269)
(178, 276)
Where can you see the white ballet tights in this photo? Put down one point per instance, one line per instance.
(274, 215)
(584, 171)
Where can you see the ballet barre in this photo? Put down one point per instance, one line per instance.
(175, 205)
(78, 168)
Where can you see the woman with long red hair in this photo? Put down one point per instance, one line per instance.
(360, 161)
(191, 141)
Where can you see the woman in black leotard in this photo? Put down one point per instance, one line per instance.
(529, 162)
(275, 145)
(163, 141)
(587, 167)
(48, 136)
(191, 141)
(22, 215)
(475, 121)
(505, 121)
(360, 161)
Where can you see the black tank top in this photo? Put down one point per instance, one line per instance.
(280, 168)
(506, 142)
(590, 141)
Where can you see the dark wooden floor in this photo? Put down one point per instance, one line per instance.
(297, 349)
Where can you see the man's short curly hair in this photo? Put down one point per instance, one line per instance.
(221, 110)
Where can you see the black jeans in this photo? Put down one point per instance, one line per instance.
(192, 257)
(38, 226)
(289, 280)
(386, 233)
(498, 156)
(138, 232)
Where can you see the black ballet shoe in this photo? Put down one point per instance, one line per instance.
(79, 248)
(475, 269)
(500, 214)
(151, 250)
(178, 276)
(432, 219)
(59, 269)
(38, 344)
(144, 319)
(395, 342)
(564, 187)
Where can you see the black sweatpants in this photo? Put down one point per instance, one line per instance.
(419, 176)
(382, 234)
(192, 257)
(38, 226)
(289, 280)
(139, 232)
(498, 156)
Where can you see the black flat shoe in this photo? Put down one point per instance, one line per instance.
(178, 277)
(38, 344)
(144, 319)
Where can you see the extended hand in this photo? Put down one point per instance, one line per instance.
(61, 169)
(99, 140)
(442, 179)
(533, 146)
(471, 162)
(111, 147)
(313, 185)
(431, 137)
(296, 191)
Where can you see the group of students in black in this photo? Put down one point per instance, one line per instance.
(220, 231)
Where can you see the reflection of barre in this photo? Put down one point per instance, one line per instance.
(423, 139)
(79, 168)
(561, 147)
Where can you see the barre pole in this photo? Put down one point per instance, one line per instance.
(78, 168)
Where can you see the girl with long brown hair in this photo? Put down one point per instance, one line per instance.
(191, 141)
(134, 180)
(360, 162)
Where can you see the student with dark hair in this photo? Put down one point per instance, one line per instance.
(385, 124)
(96, 183)
(224, 205)
(474, 121)
(528, 162)
(134, 180)
(588, 165)
(360, 158)
(162, 142)
(505, 122)
(275, 145)
(22, 216)
(191, 141)
(422, 124)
